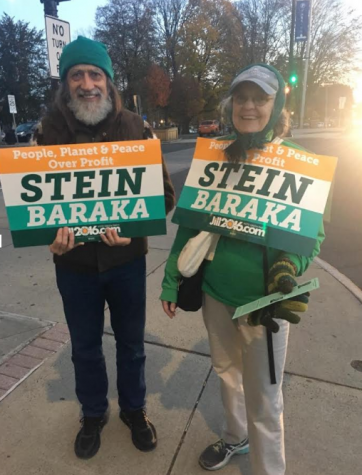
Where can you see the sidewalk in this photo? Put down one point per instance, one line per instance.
(39, 418)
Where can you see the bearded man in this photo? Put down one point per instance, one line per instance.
(87, 109)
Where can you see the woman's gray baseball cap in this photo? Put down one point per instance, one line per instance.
(263, 77)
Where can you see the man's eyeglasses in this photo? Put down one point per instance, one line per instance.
(259, 101)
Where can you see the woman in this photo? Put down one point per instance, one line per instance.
(237, 275)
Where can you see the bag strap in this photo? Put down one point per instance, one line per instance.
(269, 334)
(212, 249)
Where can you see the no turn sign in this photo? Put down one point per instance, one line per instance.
(58, 36)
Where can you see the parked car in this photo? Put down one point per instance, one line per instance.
(25, 131)
(209, 127)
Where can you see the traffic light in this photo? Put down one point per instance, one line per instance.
(287, 89)
(293, 79)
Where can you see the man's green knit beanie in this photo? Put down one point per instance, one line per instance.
(85, 51)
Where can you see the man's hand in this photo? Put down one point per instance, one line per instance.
(64, 242)
(169, 308)
(111, 238)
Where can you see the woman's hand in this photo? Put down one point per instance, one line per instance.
(169, 308)
(111, 238)
(63, 242)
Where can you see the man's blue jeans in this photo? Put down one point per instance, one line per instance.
(84, 297)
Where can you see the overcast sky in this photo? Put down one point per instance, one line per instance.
(79, 13)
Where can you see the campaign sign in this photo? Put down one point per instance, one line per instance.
(87, 187)
(276, 198)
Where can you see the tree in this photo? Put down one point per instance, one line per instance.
(23, 69)
(206, 42)
(171, 16)
(158, 87)
(210, 49)
(266, 27)
(126, 27)
(336, 37)
(185, 101)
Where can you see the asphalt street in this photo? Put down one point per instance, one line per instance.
(342, 247)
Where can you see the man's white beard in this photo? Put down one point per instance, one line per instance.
(90, 113)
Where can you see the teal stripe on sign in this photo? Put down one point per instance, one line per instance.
(309, 222)
(274, 238)
(41, 237)
(19, 215)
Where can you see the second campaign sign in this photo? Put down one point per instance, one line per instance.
(276, 198)
(87, 187)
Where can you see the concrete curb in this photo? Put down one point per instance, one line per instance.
(21, 365)
(48, 325)
(345, 281)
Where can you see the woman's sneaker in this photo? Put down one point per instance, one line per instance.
(217, 455)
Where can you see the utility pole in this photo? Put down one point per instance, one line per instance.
(290, 96)
(306, 67)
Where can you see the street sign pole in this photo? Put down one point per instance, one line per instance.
(305, 80)
(13, 111)
(342, 103)
(14, 127)
(326, 110)
(326, 85)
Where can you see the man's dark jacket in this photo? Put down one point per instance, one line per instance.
(60, 127)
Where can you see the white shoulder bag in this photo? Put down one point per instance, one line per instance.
(197, 249)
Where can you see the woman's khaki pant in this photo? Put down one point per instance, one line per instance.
(253, 406)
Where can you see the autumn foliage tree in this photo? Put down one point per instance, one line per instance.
(158, 86)
(202, 44)
(158, 89)
(210, 49)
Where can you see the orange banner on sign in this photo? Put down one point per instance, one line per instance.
(274, 156)
(80, 156)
